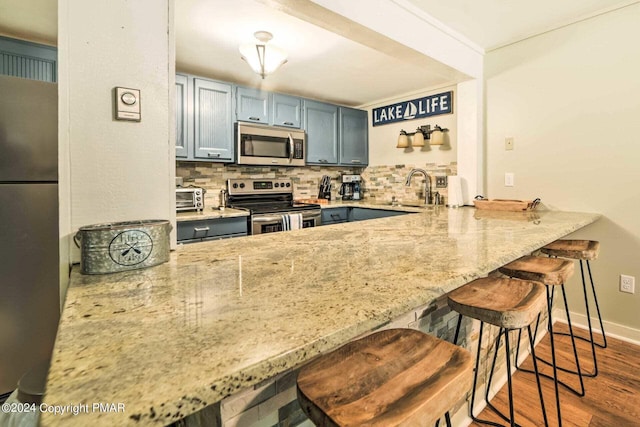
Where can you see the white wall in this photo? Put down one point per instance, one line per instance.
(570, 98)
(115, 170)
(383, 139)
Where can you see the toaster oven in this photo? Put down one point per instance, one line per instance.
(189, 198)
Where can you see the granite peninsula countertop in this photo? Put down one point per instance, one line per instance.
(224, 315)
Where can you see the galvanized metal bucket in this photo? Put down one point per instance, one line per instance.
(120, 246)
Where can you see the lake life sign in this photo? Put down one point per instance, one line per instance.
(431, 105)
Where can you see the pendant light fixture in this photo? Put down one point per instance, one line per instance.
(262, 57)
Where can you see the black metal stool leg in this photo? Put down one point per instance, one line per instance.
(590, 340)
(455, 337)
(475, 383)
(554, 364)
(447, 419)
(535, 368)
(509, 419)
(595, 299)
(578, 371)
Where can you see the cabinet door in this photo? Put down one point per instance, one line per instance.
(334, 215)
(354, 140)
(321, 124)
(206, 229)
(286, 110)
(361, 214)
(182, 149)
(213, 121)
(253, 105)
(28, 60)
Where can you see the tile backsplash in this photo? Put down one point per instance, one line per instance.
(380, 183)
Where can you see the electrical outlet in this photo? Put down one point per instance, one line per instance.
(509, 179)
(508, 143)
(441, 181)
(627, 284)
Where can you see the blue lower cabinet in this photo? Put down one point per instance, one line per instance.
(339, 215)
(211, 229)
(335, 215)
(361, 214)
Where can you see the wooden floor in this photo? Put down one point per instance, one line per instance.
(612, 398)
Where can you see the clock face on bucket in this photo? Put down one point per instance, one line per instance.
(130, 247)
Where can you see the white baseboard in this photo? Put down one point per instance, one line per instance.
(614, 330)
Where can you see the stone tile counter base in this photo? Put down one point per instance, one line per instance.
(223, 316)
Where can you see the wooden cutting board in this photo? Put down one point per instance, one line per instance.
(506, 205)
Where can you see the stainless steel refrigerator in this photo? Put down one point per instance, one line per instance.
(29, 242)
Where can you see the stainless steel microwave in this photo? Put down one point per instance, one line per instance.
(267, 145)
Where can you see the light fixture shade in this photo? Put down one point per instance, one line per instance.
(261, 56)
(403, 140)
(437, 138)
(418, 139)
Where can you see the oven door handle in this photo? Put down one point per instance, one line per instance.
(263, 218)
(291, 148)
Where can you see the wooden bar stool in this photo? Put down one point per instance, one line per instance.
(552, 272)
(582, 250)
(509, 304)
(389, 378)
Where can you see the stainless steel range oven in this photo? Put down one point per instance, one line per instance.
(270, 202)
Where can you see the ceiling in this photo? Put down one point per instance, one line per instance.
(330, 57)
(495, 23)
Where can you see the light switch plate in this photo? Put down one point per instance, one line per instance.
(127, 104)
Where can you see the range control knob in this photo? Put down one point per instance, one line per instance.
(242, 185)
(288, 184)
(277, 185)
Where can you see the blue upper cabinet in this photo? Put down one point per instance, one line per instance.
(353, 134)
(286, 110)
(252, 105)
(321, 124)
(182, 129)
(28, 60)
(213, 120)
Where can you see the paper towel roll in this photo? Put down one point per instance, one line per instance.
(455, 191)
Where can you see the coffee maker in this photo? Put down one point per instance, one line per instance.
(351, 187)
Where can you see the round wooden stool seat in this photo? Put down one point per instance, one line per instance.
(391, 377)
(574, 249)
(550, 271)
(507, 303)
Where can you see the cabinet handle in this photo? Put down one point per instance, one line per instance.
(335, 216)
(323, 161)
(200, 230)
(257, 119)
(213, 154)
(356, 161)
(288, 123)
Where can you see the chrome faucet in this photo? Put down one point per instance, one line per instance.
(427, 185)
